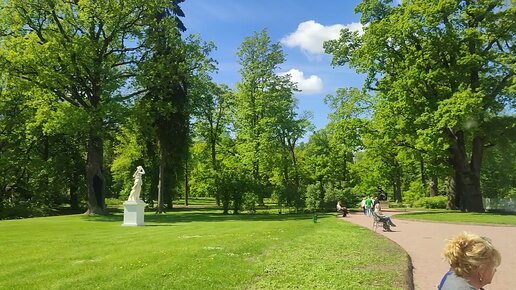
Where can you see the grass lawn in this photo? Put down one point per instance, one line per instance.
(463, 217)
(197, 249)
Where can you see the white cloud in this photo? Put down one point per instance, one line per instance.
(311, 35)
(311, 85)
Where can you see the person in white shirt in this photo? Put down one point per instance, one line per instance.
(342, 209)
(387, 222)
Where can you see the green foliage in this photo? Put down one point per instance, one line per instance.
(499, 165)
(415, 192)
(267, 126)
(314, 197)
(127, 156)
(333, 193)
(236, 191)
(435, 202)
(23, 209)
(439, 81)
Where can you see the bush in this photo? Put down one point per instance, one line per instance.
(415, 193)
(24, 209)
(344, 195)
(432, 202)
(314, 197)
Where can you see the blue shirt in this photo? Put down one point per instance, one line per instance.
(451, 281)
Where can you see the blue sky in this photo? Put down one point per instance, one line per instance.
(299, 25)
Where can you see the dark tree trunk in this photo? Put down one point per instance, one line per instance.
(187, 185)
(161, 182)
(434, 189)
(94, 176)
(74, 198)
(214, 164)
(467, 174)
(423, 172)
(397, 182)
(453, 197)
(473, 194)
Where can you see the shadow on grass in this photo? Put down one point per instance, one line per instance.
(205, 215)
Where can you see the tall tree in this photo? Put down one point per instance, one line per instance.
(169, 69)
(213, 112)
(444, 70)
(259, 58)
(79, 52)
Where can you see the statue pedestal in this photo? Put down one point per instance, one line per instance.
(133, 213)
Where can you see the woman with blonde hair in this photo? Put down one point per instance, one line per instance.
(473, 260)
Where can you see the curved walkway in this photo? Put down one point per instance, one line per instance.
(424, 242)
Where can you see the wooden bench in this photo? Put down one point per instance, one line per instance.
(377, 222)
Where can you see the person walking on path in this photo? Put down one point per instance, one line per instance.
(362, 204)
(423, 241)
(369, 206)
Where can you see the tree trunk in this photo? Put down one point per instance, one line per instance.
(434, 189)
(94, 176)
(74, 199)
(453, 197)
(187, 185)
(397, 182)
(467, 176)
(473, 194)
(214, 165)
(423, 174)
(161, 182)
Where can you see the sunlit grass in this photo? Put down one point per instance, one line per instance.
(200, 249)
(462, 217)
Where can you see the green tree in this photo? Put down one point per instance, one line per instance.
(213, 112)
(77, 51)
(444, 70)
(169, 69)
(257, 91)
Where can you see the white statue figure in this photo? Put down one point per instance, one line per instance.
(137, 186)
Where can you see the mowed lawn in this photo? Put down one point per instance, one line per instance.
(462, 217)
(197, 249)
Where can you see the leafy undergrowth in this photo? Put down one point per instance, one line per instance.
(199, 249)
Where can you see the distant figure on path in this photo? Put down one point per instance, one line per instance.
(137, 186)
(362, 204)
(342, 209)
(369, 206)
(387, 222)
(473, 261)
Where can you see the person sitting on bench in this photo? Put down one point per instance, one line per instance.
(342, 209)
(387, 222)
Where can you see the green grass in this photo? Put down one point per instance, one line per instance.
(199, 249)
(462, 217)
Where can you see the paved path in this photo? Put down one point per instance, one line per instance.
(424, 242)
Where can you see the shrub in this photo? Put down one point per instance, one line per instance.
(334, 194)
(415, 192)
(314, 197)
(24, 209)
(432, 202)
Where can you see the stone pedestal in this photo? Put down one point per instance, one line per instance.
(133, 213)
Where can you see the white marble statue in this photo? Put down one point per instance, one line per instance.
(137, 186)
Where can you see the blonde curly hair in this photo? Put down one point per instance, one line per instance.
(468, 252)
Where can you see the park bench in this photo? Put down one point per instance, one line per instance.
(377, 221)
